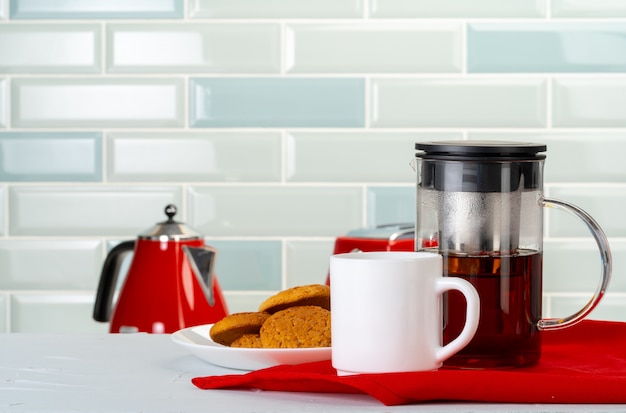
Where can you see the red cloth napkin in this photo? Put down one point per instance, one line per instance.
(585, 363)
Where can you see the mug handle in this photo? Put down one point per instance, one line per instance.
(471, 319)
(605, 256)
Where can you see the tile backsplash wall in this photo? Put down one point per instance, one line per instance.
(278, 125)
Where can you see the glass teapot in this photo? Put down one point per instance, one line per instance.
(480, 205)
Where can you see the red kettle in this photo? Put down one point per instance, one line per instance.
(170, 283)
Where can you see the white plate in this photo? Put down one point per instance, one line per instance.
(199, 343)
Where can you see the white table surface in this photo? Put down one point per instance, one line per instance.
(150, 373)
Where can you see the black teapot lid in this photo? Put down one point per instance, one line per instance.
(480, 150)
(480, 166)
(170, 230)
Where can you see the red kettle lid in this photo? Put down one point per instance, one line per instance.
(170, 230)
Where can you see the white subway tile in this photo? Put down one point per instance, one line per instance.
(605, 203)
(374, 47)
(589, 102)
(54, 313)
(239, 302)
(611, 308)
(50, 264)
(88, 210)
(274, 210)
(193, 47)
(275, 8)
(382, 156)
(97, 9)
(585, 8)
(574, 266)
(189, 156)
(97, 102)
(574, 156)
(456, 8)
(50, 48)
(457, 102)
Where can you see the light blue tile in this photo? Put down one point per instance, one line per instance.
(97, 102)
(277, 102)
(193, 47)
(248, 265)
(54, 313)
(274, 210)
(458, 102)
(50, 48)
(589, 102)
(199, 9)
(457, 8)
(50, 264)
(194, 156)
(50, 156)
(573, 266)
(586, 8)
(307, 261)
(355, 156)
(605, 203)
(390, 205)
(611, 308)
(546, 47)
(97, 9)
(88, 210)
(574, 156)
(374, 47)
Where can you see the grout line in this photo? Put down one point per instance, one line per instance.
(367, 104)
(284, 157)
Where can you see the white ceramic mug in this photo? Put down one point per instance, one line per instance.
(386, 312)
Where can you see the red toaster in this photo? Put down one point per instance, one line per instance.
(391, 237)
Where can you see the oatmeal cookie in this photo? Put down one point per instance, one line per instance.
(233, 326)
(248, 341)
(314, 294)
(297, 327)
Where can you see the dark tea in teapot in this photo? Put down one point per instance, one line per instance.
(510, 291)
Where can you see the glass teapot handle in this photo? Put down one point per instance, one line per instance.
(605, 256)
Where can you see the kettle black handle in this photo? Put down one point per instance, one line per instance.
(108, 280)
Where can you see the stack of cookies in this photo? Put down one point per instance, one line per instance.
(295, 318)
